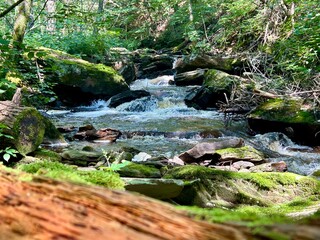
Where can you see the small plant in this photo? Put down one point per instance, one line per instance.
(8, 152)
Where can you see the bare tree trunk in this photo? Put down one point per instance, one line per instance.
(98, 18)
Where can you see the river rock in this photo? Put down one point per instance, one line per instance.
(270, 167)
(195, 77)
(81, 158)
(290, 117)
(242, 165)
(89, 133)
(141, 157)
(206, 151)
(216, 88)
(79, 81)
(126, 96)
(189, 63)
(213, 187)
(152, 65)
(155, 188)
(246, 153)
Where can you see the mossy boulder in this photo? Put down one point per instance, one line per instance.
(229, 189)
(292, 117)
(246, 153)
(216, 87)
(137, 170)
(79, 81)
(64, 172)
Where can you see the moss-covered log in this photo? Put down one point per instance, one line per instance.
(25, 125)
(48, 209)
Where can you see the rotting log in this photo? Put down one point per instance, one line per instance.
(49, 209)
(25, 125)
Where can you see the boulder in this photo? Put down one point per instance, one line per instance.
(291, 117)
(126, 96)
(246, 153)
(216, 88)
(224, 63)
(89, 133)
(229, 189)
(206, 151)
(195, 77)
(155, 188)
(78, 81)
(270, 167)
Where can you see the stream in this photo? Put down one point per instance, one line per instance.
(162, 125)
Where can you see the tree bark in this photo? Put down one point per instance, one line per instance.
(49, 209)
(21, 22)
(25, 125)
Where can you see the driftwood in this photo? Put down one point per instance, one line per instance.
(49, 209)
(25, 125)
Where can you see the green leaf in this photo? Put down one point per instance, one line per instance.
(6, 157)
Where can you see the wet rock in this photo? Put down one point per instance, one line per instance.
(270, 167)
(290, 117)
(206, 151)
(141, 157)
(155, 188)
(127, 96)
(89, 133)
(195, 77)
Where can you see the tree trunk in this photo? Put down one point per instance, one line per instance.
(21, 22)
(25, 124)
(49, 209)
(51, 9)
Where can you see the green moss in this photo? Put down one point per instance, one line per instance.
(283, 111)
(68, 173)
(139, 170)
(219, 80)
(28, 131)
(45, 154)
(246, 152)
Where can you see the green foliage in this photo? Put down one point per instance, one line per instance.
(7, 152)
(60, 171)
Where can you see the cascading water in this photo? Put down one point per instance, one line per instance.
(163, 125)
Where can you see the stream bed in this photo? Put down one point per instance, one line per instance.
(162, 125)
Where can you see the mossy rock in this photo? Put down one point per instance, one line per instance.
(47, 155)
(216, 87)
(64, 172)
(81, 158)
(77, 76)
(229, 189)
(139, 171)
(246, 153)
(288, 116)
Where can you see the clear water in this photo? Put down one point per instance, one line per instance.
(165, 114)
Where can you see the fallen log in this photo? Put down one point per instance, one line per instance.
(25, 125)
(49, 209)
